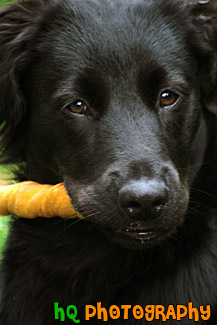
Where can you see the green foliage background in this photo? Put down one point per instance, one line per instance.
(4, 221)
(5, 176)
(4, 227)
(5, 2)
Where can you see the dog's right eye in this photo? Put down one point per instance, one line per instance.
(168, 98)
(78, 107)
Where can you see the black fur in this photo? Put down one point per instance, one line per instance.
(117, 56)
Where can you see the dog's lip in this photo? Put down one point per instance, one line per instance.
(140, 232)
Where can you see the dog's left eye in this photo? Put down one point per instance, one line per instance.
(168, 98)
(78, 107)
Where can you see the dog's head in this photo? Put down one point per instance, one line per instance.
(109, 97)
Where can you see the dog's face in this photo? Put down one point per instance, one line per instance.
(115, 111)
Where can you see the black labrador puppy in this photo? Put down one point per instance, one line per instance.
(117, 99)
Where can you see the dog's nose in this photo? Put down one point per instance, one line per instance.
(143, 199)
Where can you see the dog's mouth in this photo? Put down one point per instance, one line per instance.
(139, 232)
(140, 236)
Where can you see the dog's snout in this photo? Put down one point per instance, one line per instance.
(144, 199)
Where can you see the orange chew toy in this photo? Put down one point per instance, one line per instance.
(30, 200)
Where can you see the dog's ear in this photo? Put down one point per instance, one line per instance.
(204, 43)
(18, 26)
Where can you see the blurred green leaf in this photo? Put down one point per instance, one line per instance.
(5, 2)
(4, 228)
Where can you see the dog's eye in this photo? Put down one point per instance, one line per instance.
(78, 107)
(168, 98)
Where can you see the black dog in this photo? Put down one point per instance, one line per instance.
(118, 99)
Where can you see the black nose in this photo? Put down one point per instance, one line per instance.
(144, 199)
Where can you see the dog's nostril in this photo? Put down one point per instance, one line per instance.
(134, 205)
(144, 199)
(159, 204)
(133, 208)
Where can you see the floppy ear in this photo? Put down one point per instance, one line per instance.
(204, 41)
(18, 26)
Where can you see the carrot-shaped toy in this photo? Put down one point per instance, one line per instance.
(30, 200)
